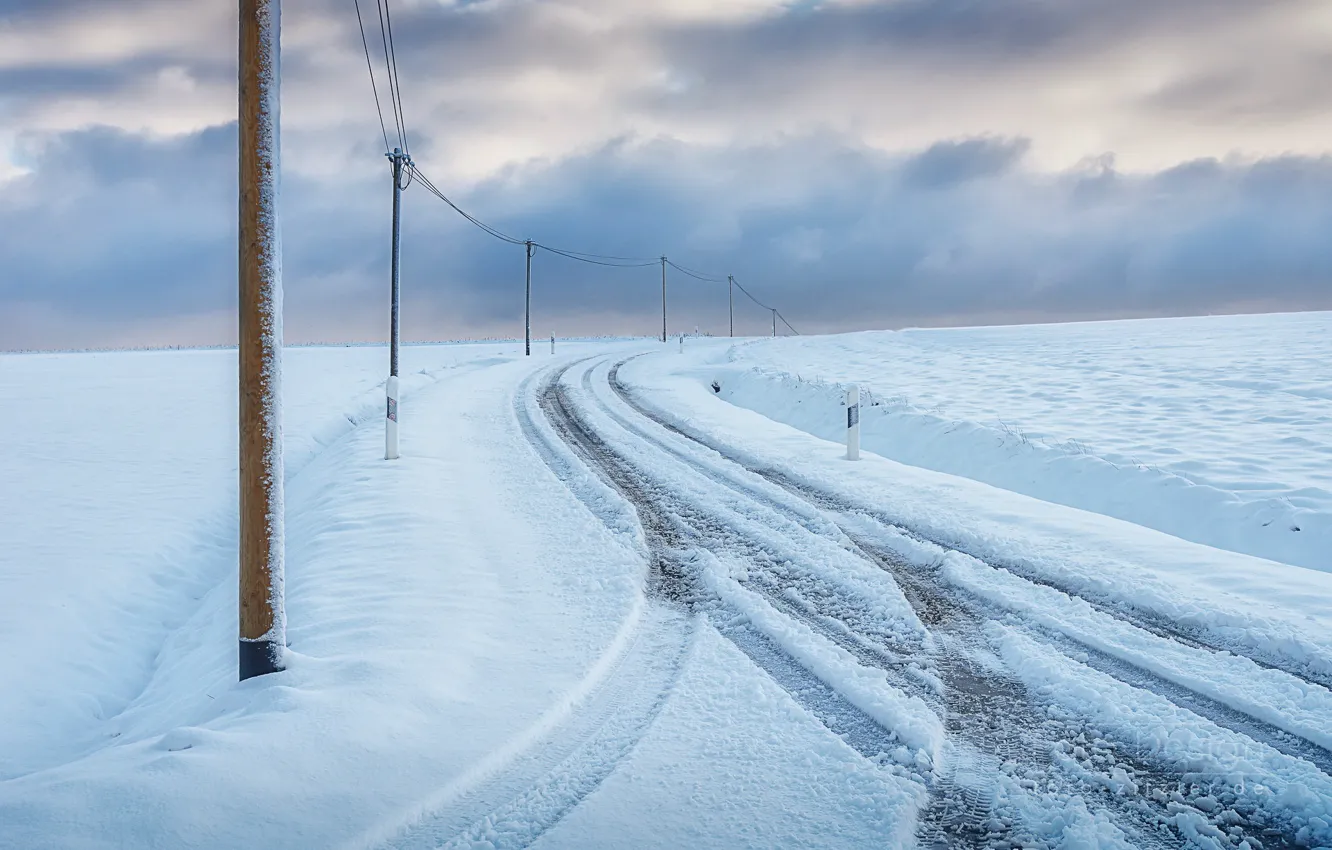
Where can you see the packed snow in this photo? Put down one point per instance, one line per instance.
(634, 595)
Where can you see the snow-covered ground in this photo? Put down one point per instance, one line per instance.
(598, 603)
(122, 724)
(1215, 429)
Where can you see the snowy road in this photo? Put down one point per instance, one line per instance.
(950, 688)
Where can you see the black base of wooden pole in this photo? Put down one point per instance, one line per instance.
(259, 658)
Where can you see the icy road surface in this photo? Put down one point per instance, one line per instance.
(596, 604)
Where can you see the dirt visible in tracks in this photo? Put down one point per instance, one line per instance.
(673, 532)
(1001, 741)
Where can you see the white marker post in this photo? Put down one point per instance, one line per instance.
(682, 336)
(391, 423)
(552, 342)
(853, 422)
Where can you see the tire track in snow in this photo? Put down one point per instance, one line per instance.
(671, 530)
(979, 694)
(979, 705)
(517, 794)
(1235, 720)
(1193, 637)
(821, 606)
(552, 776)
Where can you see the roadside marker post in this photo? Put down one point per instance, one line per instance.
(552, 342)
(853, 422)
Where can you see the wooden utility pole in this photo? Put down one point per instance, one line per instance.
(774, 320)
(730, 300)
(262, 616)
(663, 299)
(527, 332)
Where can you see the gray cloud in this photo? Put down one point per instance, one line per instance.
(952, 162)
(838, 235)
(830, 155)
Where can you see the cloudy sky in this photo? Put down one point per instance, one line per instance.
(857, 163)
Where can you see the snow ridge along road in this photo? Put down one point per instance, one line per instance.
(1291, 706)
(906, 633)
(123, 677)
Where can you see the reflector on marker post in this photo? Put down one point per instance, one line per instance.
(853, 422)
(391, 422)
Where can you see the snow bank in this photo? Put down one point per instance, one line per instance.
(446, 610)
(1273, 611)
(1216, 430)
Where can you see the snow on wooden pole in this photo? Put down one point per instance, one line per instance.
(262, 615)
(853, 422)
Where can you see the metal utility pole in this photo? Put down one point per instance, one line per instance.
(263, 627)
(774, 321)
(663, 299)
(730, 300)
(527, 332)
(398, 158)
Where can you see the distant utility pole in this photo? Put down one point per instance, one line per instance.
(730, 300)
(774, 321)
(399, 159)
(663, 299)
(527, 333)
(263, 627)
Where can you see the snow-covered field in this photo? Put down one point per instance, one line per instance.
(1059, 602)
(1216, 429)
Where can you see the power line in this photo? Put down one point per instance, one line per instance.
(749, 296)
(392, 61)
(568, 252)
(607, 260)
(585, 259)
(371, 68)
(393, 101)
(694, 274)
(581, 256)
(432, 189)
(414, 173)
(774, 310)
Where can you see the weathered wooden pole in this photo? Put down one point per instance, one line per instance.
(262, 616)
